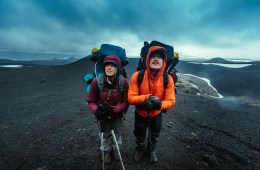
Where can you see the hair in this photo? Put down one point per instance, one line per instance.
(158, 52)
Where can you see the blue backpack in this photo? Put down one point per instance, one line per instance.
(98, 59)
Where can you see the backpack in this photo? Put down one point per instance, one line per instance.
(172, 71)
(169, 51)
(170, 65)
(97, 57)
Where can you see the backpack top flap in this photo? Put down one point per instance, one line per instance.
(106, 49)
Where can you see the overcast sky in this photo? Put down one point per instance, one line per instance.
(211, 28)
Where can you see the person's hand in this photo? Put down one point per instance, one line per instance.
(156, 102)
(152, 103)
(100, 113)
(146, 105)
(108, 109)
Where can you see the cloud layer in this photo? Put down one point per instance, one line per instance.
(201, 27)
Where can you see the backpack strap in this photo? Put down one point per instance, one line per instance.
(100, 80)
(140, 78)
(165, 79)
(121, 82)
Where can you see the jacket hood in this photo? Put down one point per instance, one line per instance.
(113, 59)
(152, 50)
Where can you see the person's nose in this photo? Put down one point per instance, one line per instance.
(155, 58)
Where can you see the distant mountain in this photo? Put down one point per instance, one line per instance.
(228, 81)
(54, 61)
(7, 61)
(224, 61)
(219, 60)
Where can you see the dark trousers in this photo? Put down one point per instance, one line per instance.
(154, 125)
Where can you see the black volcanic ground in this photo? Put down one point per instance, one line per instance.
(46, 124)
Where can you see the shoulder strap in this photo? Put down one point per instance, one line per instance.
(121, 82)
(140, 77)
(100, 80)
(165, 79)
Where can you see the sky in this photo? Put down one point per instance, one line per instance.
(203, 28)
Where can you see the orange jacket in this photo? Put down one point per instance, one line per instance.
(151, 86)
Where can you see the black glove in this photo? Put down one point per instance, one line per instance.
(156, 102)
(146, 105)
(100, 113)
(108, 109)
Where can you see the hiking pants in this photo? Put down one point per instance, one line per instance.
(106, 127)
(141, 125)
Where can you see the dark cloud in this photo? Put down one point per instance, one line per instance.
(78, 25)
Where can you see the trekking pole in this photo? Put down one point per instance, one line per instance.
(149, 130)
(117, 148)
(102, 150)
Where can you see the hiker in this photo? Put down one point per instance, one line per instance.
(150, 99)
(109, 105)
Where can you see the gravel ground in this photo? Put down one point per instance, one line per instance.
(46, 124)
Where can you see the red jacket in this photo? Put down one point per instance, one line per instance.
(151, 86)
(110, 94)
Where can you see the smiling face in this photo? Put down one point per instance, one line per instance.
(110, 69)
(156, 61)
